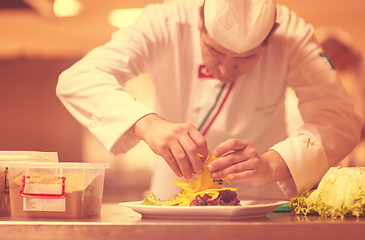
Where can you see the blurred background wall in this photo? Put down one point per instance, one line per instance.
(38, 41)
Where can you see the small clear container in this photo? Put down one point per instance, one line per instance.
(7, 157)
(56, 190)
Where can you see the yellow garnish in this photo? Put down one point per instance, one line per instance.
(204, 184)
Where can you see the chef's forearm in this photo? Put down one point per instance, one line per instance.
(144, 124)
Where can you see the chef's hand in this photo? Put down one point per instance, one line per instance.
(179, 144)
(244, 164)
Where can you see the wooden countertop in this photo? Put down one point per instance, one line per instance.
(118, 222)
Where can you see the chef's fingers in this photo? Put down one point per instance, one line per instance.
(191, 149)
(230, 145)
(245, 176)
(226, 161)
(248, 153)
(200, 142)
(182, 160)
(170, 160)
(254, 177)
(235, 167)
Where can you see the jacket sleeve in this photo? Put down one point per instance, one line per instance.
(331, 127)
(93, 88)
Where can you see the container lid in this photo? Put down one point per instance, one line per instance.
(60, 165)
(27, 156)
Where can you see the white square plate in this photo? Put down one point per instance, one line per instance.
(248, 209)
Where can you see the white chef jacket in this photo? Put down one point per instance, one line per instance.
(164, 41)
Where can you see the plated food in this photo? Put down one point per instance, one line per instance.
(203, 198)
(203, 191)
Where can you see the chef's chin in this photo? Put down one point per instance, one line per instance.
(225, 79)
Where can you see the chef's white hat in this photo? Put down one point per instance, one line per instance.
(239, 25)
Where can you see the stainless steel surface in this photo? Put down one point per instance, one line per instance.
(117, 222)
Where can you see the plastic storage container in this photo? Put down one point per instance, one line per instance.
(56, 190)
(7, 157)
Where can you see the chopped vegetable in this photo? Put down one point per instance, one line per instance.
(153, 200)
(225, 198)
(340, 193)
(204, 187)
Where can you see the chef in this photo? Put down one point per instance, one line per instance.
(220, 70)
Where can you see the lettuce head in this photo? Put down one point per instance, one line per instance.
(340, 193)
